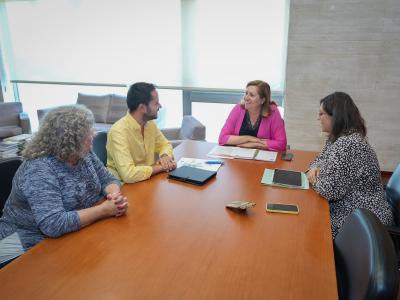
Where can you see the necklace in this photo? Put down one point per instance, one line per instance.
(256, 123)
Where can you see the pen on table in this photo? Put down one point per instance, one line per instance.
(214, 162)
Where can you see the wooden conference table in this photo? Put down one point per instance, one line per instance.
(178, 241)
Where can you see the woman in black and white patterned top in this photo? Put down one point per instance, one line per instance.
(347, 172)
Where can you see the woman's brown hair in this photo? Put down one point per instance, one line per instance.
(264, 91)
(346, 117)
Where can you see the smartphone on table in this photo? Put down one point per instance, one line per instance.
(287, 156)
(283, 208)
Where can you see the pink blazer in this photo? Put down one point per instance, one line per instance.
(271, 128)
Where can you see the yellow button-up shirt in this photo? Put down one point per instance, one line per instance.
(130, 154)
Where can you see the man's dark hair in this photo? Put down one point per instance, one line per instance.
(346, 117)
(139, 93)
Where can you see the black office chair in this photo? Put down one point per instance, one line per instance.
(392, 191)
(393, 194)
(365, 259)
(8, 167)
(99, 146)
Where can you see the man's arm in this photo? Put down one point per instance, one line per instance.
(166, 163)
(162, 145)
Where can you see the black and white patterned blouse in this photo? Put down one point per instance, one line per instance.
(350, 178)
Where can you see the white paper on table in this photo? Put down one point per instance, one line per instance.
(266, 155)
(232, 152)
(244, 153)
(221, 151)
(198, 163)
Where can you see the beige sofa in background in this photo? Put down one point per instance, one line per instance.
(107, 109)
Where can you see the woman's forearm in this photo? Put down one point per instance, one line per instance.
(114, 206)
(112, 188)
(241, 139)
(92, 214)
(254, 145)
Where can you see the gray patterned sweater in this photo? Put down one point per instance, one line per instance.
(46, 195)
(350, 178)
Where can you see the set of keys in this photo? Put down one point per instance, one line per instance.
(242, 205)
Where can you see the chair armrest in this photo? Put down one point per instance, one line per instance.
(171, 133)
(393, 231)
(25, 123)
(192, 129)
(175, 143)
(41, 112)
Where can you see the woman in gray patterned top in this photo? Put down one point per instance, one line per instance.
(56, 188)
(347, 172)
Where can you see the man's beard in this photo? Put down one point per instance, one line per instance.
(148, 117)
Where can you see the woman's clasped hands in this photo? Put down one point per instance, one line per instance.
(116, 204)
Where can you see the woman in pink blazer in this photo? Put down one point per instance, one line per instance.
(255, 122)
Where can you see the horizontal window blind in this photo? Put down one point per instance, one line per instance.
(233, 42)
(96, 41)
(199, 43)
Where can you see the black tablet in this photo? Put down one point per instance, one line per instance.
(191, 175)
(287, 177)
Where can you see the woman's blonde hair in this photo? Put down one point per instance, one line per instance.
(62, 133)
(264, 91)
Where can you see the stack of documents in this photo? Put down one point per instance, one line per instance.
(19, 138)
(269, 179)
(8, 149)
(12, 146)
(243, 153)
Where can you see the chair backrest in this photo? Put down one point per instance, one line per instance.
(192, 129)
(12, 121)
(8, 167)
(9, 113)
(366, 263)
(393, 194)
(99, 146)
(117, 109)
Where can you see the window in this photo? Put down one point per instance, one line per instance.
(95, 41)
(191, 43)
(214, 115)
(232, 42)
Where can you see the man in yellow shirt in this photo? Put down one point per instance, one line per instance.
(134, 140)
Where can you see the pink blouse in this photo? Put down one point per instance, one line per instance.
(272, 128)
